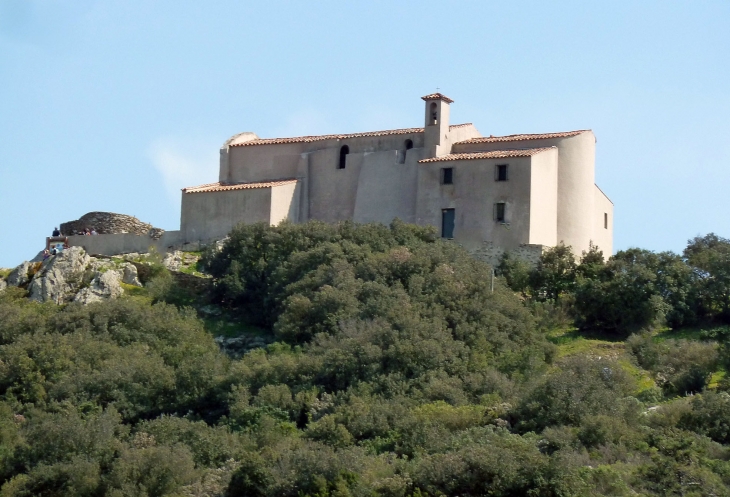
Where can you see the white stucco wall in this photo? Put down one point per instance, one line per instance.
(258, 163)
(473, 195)
(285, 203)
(332, 191)
(603, 236)
(386, 189)
(544, 198)
(255, 163)
(212, 215)
(576, 182)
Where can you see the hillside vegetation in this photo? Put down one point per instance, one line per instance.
(393, 369)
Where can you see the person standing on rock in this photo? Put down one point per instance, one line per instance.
(56, 232)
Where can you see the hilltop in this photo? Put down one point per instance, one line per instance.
(374, 361)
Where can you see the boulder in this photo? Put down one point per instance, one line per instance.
(105, 285)
(59, 276)
(173, 261)
(19, 275)
(3, 285)
(129, 274)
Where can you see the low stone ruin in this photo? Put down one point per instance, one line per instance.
(107, 223)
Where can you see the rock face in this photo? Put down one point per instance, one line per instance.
(103, 286)
(173, 261)
(19, 275)
(59, 276)
(73, 276)
(110, 223)
(177, 260)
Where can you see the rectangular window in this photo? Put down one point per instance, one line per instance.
(447, 176)
(605, 220)
(447, 223)
(499, 212)
(500, 172)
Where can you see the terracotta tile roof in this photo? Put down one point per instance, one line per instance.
(316, 138)
(222, 187)
(495, 154)
(453, 126)
(511, 138)
(438, 96)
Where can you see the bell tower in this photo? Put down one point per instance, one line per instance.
(436, 126)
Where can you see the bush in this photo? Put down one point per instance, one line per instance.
(582, 387)
(680, 367)
(710, 416)
(622, 300)
(555, 273)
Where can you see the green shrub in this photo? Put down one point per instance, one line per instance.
(709, 415)
(582, 387)
(680, 367)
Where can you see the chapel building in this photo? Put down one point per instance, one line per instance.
(519, 193)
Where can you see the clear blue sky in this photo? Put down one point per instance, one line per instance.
(116, 105)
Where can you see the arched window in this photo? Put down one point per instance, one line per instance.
(433, 114)
(402, 154)
(344, 150)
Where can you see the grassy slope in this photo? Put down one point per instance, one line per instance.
(570, 341)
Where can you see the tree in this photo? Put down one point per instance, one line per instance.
(555, 273)
(622, 298)
(675, 282)
(709, 256)
(515, 271)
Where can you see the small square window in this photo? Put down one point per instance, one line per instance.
(500, 172)
(499, 212)
(447, 176)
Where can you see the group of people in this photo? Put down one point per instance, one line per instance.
(54, 250)
(58, 241)
(87, 231)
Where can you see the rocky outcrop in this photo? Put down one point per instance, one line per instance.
(59, 277)
(73, 275)
(106, 223)
(19, 275)
(104, 286)
(173, 261)
(177, 260)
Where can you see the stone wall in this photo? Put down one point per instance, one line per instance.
(491, 253)
(108, 223)
(124, 243)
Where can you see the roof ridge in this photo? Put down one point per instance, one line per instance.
(492, 154)
(437, 96)
(340, 136)
(524, 136)
(220, 187)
